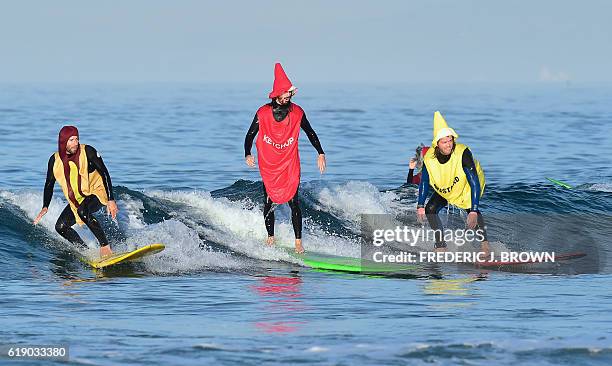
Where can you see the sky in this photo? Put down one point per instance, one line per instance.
(341, 41)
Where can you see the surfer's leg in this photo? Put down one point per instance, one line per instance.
(435, 204)
(64, 224)
(296, 216)
(268, 217)
(85, 211)
(296, 221)
(480, 228)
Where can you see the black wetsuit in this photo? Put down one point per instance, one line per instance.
(90, 204)
(280, 112)
(437, 202)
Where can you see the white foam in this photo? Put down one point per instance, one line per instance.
(239, 226)
(600, 187)
(317, 349)
(354, 198)
(31, 203)
(184, 250)
(130, 213)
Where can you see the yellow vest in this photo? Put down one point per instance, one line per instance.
(449, 179)
(91, 183)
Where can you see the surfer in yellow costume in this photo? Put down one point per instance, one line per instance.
(86, 183)
(456, 178)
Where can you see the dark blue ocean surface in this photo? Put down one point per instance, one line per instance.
(218, 295)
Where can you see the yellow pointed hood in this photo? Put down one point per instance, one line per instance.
(441, 129)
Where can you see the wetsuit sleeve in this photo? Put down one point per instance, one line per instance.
(410, 176)
(423, 187)
(250, 136)
(95, 160)
(312, 135)
(469, 167)
(49, 183)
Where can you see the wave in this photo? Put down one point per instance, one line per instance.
(224, 230)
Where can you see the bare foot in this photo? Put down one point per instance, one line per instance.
(270, 240)
(298, 246)
(105, 251)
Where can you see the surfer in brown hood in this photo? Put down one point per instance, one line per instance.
(86, 183)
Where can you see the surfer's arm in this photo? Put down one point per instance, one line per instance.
(411, 166)
(95, 160)
(250, 136)
(469, 167)
(49, 183)
(410, 176)
(312, 135)
(423, 187)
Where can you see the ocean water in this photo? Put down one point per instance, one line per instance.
(218, 295)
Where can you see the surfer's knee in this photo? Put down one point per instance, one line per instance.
(61, 227)
(83, 213)
(295, 208)
(431, 209)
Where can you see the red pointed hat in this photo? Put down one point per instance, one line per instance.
(282, 84)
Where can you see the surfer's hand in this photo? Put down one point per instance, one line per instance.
(250, 161)
(112, 209)
(472, 219)
(321, 163)
(40, 215)
(412, 163)
(421, 214)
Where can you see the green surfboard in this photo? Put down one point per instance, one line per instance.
(349, 264)
(559, 183)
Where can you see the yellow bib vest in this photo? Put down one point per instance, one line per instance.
(449, 179)
(91, 183)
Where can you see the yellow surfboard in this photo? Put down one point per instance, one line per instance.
(126, 256)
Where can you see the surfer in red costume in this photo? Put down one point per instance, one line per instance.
(277, 126)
